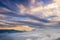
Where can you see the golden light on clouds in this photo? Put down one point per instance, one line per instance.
(35, 8)
(19, 28)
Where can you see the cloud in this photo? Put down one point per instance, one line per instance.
(4, 10)
(2, 16)
(34, 12)
(31, 9)
(45, 11)
(42, 34)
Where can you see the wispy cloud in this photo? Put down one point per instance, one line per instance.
(33, 12)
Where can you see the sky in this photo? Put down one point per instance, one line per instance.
(32, 13)
(43, 15)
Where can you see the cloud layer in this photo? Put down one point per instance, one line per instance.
(29, 12)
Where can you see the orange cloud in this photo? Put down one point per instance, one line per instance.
(19, 28)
